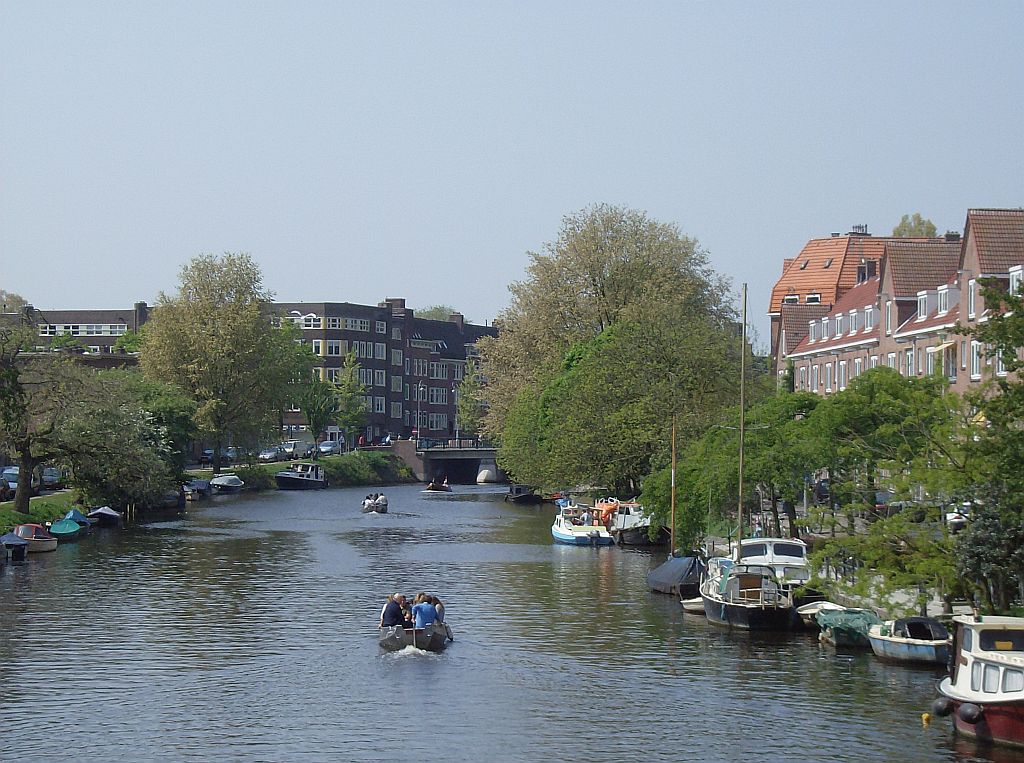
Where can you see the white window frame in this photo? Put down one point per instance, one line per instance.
(975, 359)
(971, 305)
(381, 327)
(842, 375)
(396, 357)
(853, 322)
(380, 377)
(335, 347)
(943, 298)
(922, 305)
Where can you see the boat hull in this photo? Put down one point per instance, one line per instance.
(433, 638)
(287, 482)
(581, 539)
(907, 650)
(41, 545)
(1000, 722)
(747, 617)
(375, 510)
(693, 606)
(639, 536)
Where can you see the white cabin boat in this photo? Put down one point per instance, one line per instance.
(302, 476)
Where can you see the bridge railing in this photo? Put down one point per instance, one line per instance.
(452, 443)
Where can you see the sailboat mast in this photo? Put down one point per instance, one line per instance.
(743, 375)
(672, 527)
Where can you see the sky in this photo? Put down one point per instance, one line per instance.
(360, 151)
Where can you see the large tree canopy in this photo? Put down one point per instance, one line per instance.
(214, 339)
(608, 265)
(914, 226)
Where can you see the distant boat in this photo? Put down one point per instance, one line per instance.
(438, 487)
(38, 538)
(912, 639)
(564, 530)
(846, 627)
(522, 494)
(630, 523)
(65, 529)
(76, 516)
(378, 505)
(433, 638)
(302, 476)
(197, 489)
(227, 483)
(105, 516)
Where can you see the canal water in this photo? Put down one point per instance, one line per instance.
(246, 631)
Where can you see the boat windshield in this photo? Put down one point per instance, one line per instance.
(789, 549)
(1001, 640)
(753, 549)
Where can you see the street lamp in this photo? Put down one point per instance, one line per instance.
(419, 405)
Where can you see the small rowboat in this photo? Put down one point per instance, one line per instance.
(38, 538)
(433, 638)
(694, 606)
(912, 639)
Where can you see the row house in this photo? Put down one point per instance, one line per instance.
(906, 318)
(411, 367)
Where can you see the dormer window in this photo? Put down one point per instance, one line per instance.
(922, 305)
(791, 299)
(827, 264)
(869, 317)
(812, 330)
(839, 325)
(1016, 276)
(944, 299)
(824, 328)
(853, 321)
(813, 299)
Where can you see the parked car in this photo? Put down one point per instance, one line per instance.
(331, 447)
(296, 449)
(10, 474)
(53, 478)
(269, 455)
(230, 455)
(206, 457)
(957, 516)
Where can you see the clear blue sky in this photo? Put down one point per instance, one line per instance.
(368, 150)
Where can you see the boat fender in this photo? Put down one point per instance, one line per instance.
(969, 713)
(942, 706)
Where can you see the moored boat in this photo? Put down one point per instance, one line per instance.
(677, 576)
(629, 523)
(14, 546)
(566, 530)
(65, 529)
(105, 516)
(227, 483)
(985, 689)
(693, 606)
(746, 596)
(808, 612)
(197, 489)
(38, 538)
(301, 476)
(76, 516)
(432, 638)
(522, 494)
(846, 627)
(911, 639)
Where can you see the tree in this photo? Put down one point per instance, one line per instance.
(214, 339)
(320, 404)
(608, 265)
(914, 226)
(470, 406)
(436, 312)
(11, 302)
(67, 343)
(350, 394)
(130, 341)
(168, 406)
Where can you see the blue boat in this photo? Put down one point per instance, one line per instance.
(76, 516)
(566, 530)
(912, 639)
(65, 529)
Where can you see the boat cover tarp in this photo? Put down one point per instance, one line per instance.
(10, 539)
(76, 516)
(677, 571)
(851, 620)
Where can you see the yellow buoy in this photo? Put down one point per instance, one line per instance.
(925, 720)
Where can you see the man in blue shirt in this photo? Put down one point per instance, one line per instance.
(425, 614)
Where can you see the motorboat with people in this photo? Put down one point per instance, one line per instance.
(574, 526)
(302, 476)
(746, 596)
(911, 639)
(105, 516)
(438, 487)
(227, 483)
(39, 540)
(375, 504)
(630, 523)
(984, 691)
(420, 625)
(432, 638)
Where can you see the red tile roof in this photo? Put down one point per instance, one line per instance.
(825, 266)
(917, 265)
(999, 235)
(794, 323)
(857, 298)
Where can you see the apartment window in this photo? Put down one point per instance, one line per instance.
(335, 347)
(828, 377)
(357, 324)
(438, 370)
(396, 332)
(873, 363)
(922, 306)
(970, 298)
(318, 347)
(803, 377)
(812, 330)
(379, 377)
(824, 328)
(381, 326)
(963, 354)
(363, 349)
(920, 361)
(975, 360)
(1000, 366)
(419, 367)
(1016, 274)
(379, 405)
(858, 367)
(438, 396)
(842, 374)
(438, 422)
(813, 299)
(334, 322)
(332, 374)
(311, 322)
(869, 317)
(815, 378)
(930, 363)
(888, 317)
(459, 368)
(839, 325)
(396, 410)
(890, 360)
(908, 358)
(853, 321)
(396, 357)
(943, 300)
(380, 351)
(366, 377)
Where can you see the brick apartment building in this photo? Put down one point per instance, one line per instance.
(904, 316)
(411, 366)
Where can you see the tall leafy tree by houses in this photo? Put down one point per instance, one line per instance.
(914, 226)
(214, 339)
(320, 405)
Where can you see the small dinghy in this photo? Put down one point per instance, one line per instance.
(76, 516)
(808, 612)
(37, 536)
(433, 638)
(227, 483)
(912, 639)
(694, 606)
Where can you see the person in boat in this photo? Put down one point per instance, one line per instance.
(381, 500)
(367, 503)
(585, 518)
(393, 612)
(424, 612)
(439, 609)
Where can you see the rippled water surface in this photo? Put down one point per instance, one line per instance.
(246, 632)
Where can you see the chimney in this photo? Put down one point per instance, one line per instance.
(141, 315)
(952, 236)
(458, 320)
(859, 230)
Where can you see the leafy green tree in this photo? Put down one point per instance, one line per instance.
(11, 302)
(66, 342)
(436, 312)
(130, 341)
(214, 339)
(470, 406)
(170, 410)
(350, 392)
(320, 404)
(914, 226)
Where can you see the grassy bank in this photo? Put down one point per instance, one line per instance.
(44, 508)
(356, 469)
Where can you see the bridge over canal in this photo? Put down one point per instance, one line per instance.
(460, 460)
